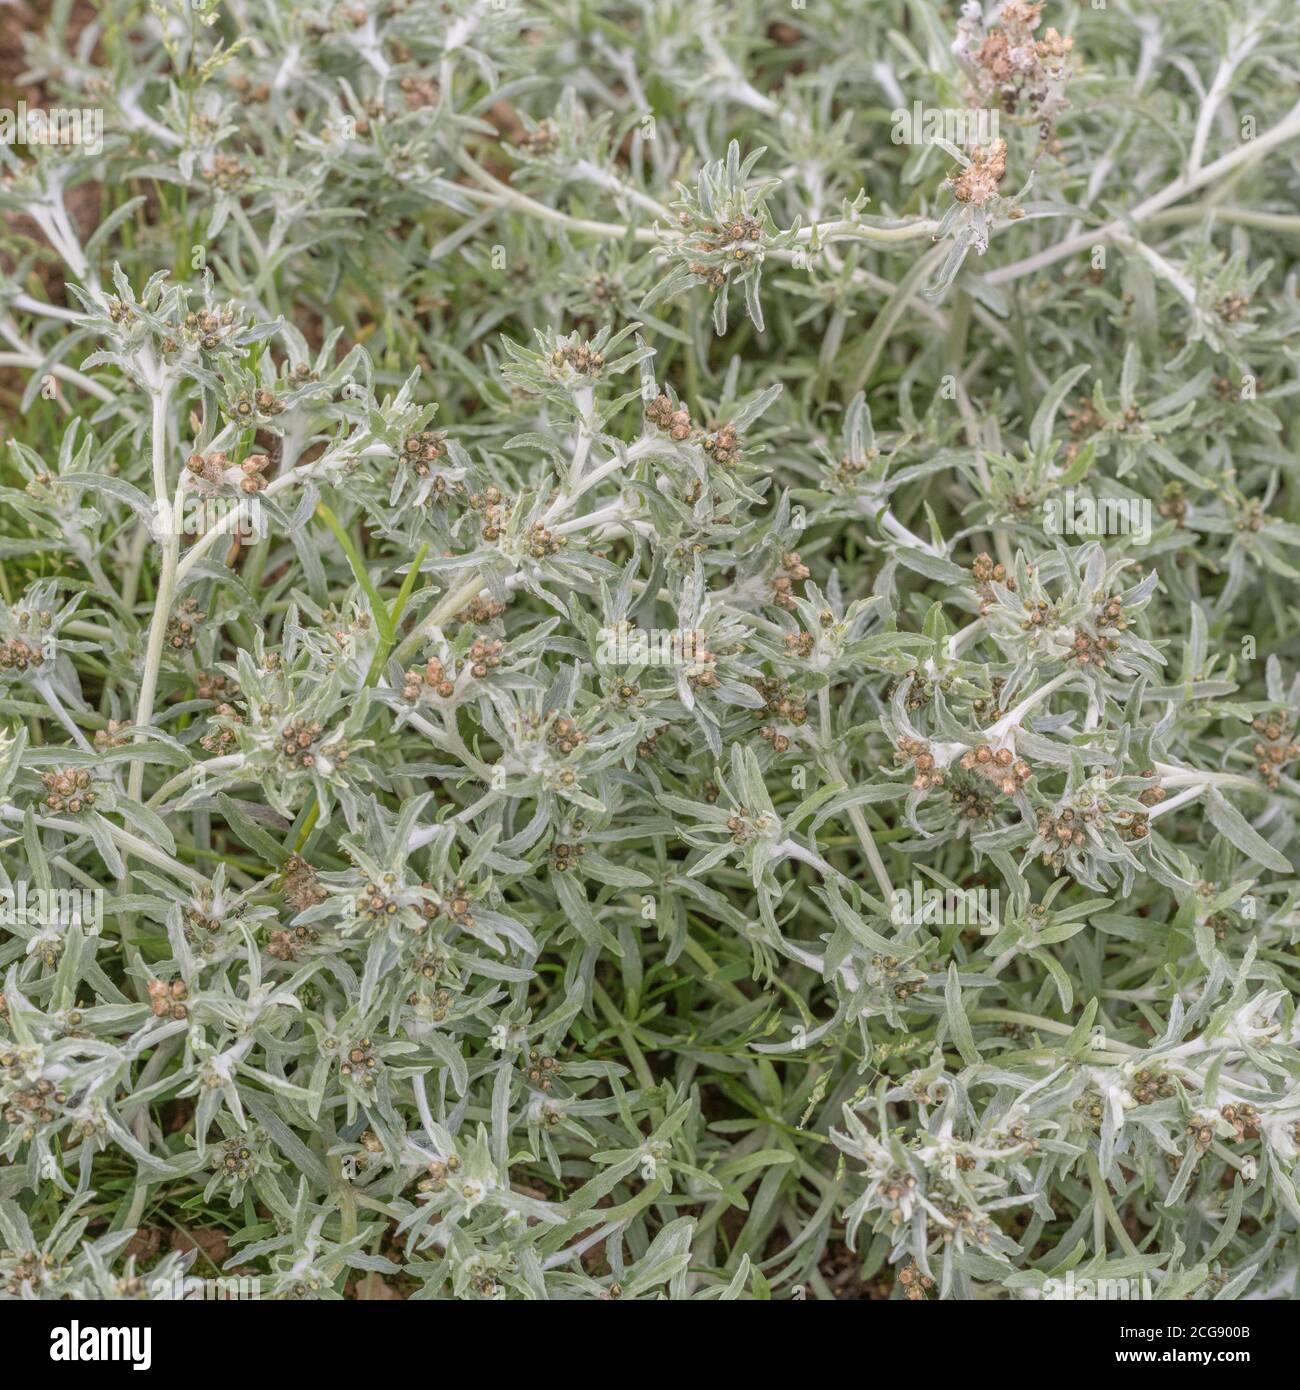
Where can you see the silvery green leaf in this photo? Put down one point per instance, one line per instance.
(1228, 821)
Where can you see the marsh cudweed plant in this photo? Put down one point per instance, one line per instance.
(524, 544)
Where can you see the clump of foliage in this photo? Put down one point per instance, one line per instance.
(527, 552)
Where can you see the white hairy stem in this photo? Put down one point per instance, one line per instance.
(168, 519)
(1175, 802)
(1251, 150)
(1015, 717)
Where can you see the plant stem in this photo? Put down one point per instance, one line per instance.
(856, 818)
(1014, 717)
(1286, 129)
(452, 603)
(132, 844)
(168, 518)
